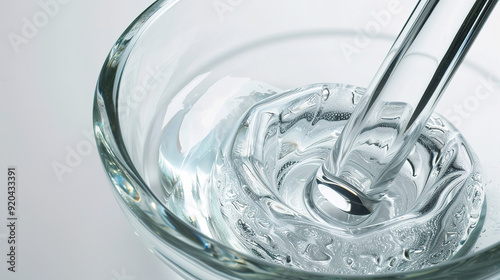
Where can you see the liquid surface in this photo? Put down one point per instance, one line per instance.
(244, 183)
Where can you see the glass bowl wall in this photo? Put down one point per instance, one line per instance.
(174, 47)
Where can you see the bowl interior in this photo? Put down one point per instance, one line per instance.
(192, 70)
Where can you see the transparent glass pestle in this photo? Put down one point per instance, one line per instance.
(387, 122)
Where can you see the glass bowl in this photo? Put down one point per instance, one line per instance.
(180, 68)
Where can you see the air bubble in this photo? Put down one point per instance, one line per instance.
(392, 262)
(406, 254)
(325, 94)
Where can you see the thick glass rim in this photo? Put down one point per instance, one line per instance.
(147, 212)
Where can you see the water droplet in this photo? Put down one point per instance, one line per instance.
(325, 93)
(406, 254)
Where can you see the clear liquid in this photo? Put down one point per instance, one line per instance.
(244, 184)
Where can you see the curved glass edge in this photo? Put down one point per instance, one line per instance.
(190, 251)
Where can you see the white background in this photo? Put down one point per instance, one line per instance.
(69, 224)
(69, 227)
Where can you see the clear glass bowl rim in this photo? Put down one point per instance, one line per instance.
(146, 213)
